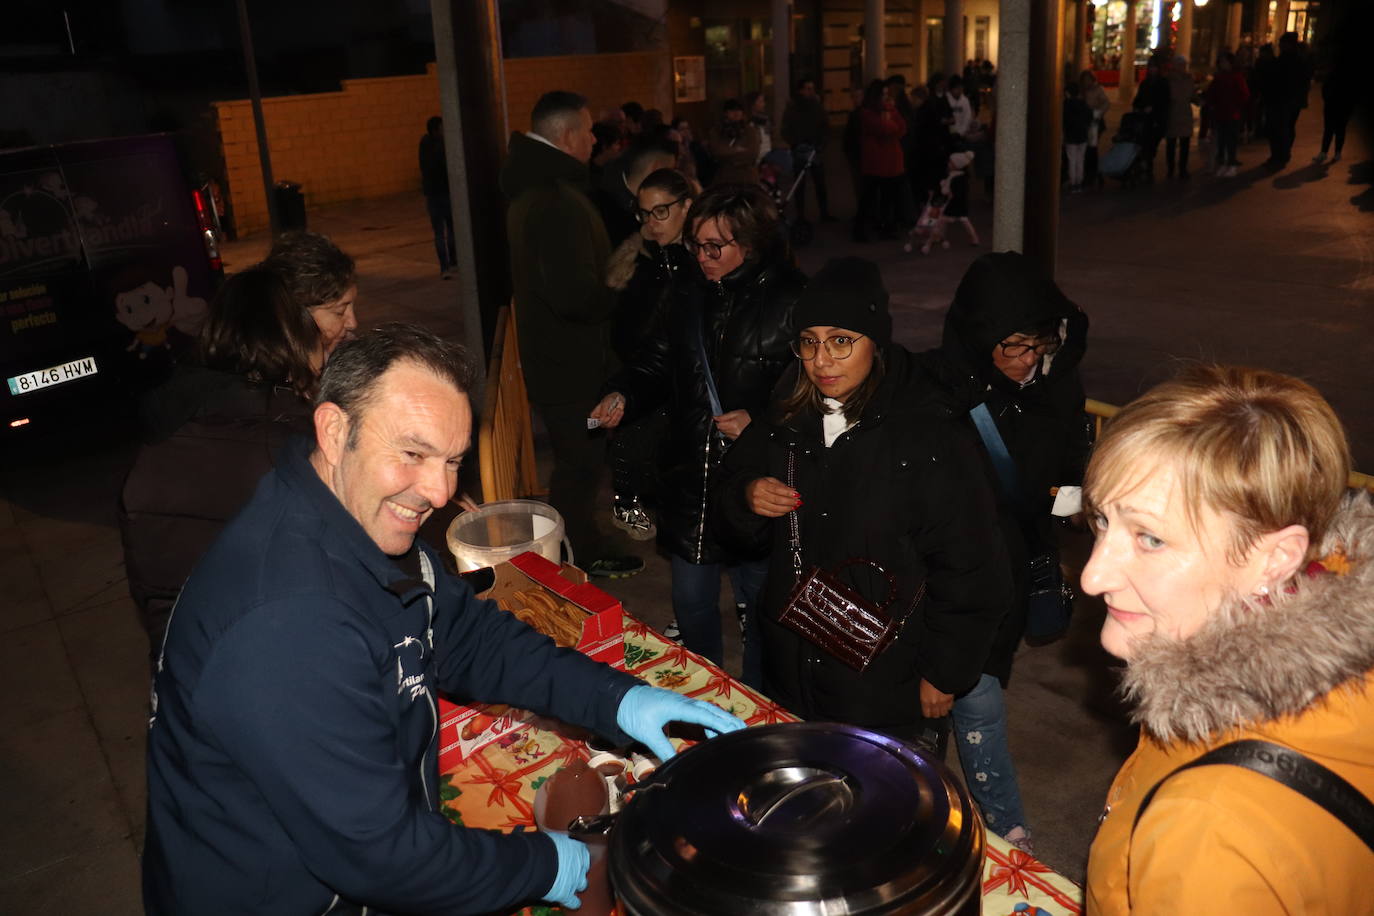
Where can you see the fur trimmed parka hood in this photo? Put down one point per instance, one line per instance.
(1251, 663)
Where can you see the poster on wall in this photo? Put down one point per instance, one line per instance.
(689, 79)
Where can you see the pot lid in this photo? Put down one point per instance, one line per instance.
(798, 818)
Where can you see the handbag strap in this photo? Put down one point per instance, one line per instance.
(891, 579)
(1298, 772)
(711, 393)
(794, 531)
(1007, 475)
(794, 545)
(997, 451)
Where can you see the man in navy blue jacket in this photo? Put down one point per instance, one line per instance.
(293, 745)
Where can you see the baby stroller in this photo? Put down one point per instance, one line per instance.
(930, 227)
(780, 173)
(1124, 161)
(946, 204)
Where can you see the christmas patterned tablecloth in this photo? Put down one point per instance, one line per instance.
(494, 789)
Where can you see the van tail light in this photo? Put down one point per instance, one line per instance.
(206, 222)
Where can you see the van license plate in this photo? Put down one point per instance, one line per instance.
(45, 378)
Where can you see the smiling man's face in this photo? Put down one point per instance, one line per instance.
(397, 459)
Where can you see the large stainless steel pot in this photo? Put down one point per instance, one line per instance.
(801, 818)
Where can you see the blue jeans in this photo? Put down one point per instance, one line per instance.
(980, 731)
(696, 604)
(441, 221)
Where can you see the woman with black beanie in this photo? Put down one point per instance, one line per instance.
(851, 451)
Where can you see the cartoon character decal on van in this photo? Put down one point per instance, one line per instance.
(151, 310)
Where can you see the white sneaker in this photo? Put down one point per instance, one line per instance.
(672, 632)
(1020, 837)
(634, 521)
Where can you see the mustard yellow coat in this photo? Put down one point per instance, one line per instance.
(1221, 839)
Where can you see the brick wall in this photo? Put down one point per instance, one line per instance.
(607, 80)
(361, 142)
(356, 143)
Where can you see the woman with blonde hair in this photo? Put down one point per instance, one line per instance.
(1238, 576)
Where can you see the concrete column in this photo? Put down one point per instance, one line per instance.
(954, 37)
(782, 59)
(875, 40)
(1013, 87)
(1125, 92)
(920, 65)
(250, 66)
(1280, 23)
(473, 105)
(1043, 145)
(1218, 32)
(1185, 32)
(1080, 40)
(1260, 23)
(1233, 16)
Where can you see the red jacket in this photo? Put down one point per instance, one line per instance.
(880, 143)
(1227, 96)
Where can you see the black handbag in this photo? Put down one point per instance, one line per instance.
(1049, 606)
(831, 615)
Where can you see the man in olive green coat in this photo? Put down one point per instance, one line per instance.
(558, 252)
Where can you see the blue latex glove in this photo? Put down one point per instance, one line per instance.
(574, 858)
(646, 710)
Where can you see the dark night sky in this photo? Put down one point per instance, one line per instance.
(302, 45)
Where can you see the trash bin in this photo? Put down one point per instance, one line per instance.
(290, 207)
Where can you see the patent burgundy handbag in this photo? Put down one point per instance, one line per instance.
(831, 615)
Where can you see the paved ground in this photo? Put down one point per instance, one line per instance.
(1271, 270)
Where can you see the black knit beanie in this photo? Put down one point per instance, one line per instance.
(846, 293)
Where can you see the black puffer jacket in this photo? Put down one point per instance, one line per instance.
(647, 297)
(904, 489)
(210, 436)
(745, 323)
(1042, 424)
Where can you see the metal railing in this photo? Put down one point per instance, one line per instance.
(1101, 412)
(505, 440)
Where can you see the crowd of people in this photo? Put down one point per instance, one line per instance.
(910, 153)
(766, 428)
(1247, 94)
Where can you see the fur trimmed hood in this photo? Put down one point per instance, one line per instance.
(1251, 663)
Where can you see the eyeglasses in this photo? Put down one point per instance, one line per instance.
(660, 212)
(712, 249)
(837, 347)
(1041, 348)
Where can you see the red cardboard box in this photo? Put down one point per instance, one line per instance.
(465, 729)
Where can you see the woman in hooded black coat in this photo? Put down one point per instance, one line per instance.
(1012, 341)
(879, 477)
